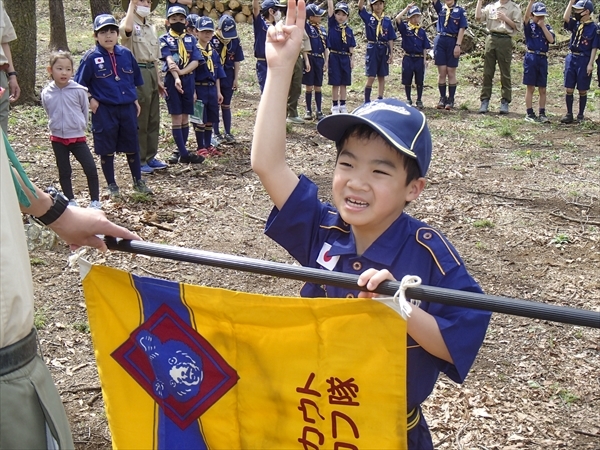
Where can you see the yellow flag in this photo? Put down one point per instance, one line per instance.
(186, 366)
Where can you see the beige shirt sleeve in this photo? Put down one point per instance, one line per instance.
(306, 47)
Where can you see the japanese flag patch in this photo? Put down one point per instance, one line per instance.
(325, 260)
(99, 60)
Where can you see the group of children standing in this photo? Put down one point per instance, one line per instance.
(200, 66)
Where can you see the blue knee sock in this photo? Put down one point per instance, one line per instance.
(226, 110)
(318, 100)
(582, 103)
(185, 129)
(107, 162)
(179, 141)
(207, 134)
(199, 132)
(308, 100)
(569, 101)
(133, 159)
(368, 94)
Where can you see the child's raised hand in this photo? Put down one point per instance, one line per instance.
(371, 278)
(284, 40)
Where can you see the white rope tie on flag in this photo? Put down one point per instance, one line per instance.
(400, 295)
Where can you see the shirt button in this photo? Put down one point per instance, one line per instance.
(357, 265)
(427, 235)
(350, 295)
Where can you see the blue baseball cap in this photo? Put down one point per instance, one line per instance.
(539, 9)
(341, 6)
(372, 2)
(176, 10)
(402, 126)
(314, 10)
(584, 4)
(104, 20)
(227, 27)
(190, 20)
(413, 11)
(268, 4)
(205, 23)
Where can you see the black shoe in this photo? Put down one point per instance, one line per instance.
(543, 119)
(531, 118)
(580, 118)
(191, 158)
(449, 104)
(409, 102)
(442, 103)
(419, 104)
(113, 190)
(174, 159)
(140, 186)
(567, 118)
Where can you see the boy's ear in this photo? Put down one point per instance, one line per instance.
(49, 70)
(415, 189)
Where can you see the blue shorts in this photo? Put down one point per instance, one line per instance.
(443, 51)
(208, 95)
(535, 70)
(261, 73)
(413, 65)
(576, 72)
(180, 103)
(376, 60)
(112, 127)
(315, 76)
(339, 72)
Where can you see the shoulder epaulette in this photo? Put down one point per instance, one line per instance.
(442, 253)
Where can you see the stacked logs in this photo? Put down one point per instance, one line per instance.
(240, 10)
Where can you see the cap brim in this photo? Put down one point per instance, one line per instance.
(333, 127)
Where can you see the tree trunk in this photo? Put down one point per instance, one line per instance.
(58, 31)
(24, 49)
(99, 7)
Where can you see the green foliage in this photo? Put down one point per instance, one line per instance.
(483, 223)
(82, 327)
(560, 239)
(39, 319)
(34, 261)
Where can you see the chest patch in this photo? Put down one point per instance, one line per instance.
(324, 259)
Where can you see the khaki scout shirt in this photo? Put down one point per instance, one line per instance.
(142, 42)
(494, 25)
(7, 33)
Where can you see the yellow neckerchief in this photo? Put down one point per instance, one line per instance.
(379, 29)
(447, 8)
(579, 32)
(413, 27)
(343, 31)
(183, 54)
(207, 53)
(317, 28)
(225, 43)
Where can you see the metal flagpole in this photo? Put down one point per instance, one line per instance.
(504, 305)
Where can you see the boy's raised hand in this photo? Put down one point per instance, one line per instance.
(371, 279)
(284, 40)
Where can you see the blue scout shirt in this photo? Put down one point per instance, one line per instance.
(316, 236)
(260, 26)
(318, 38)
(206, 72)
(457, 20)
(110, 79)
(229, 53)
(335, 37)
(582, 41)
(169, 47)
(535, 39)
(413, 41)
(371, 24)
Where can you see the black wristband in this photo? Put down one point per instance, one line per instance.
(10, 74)
(59, 206)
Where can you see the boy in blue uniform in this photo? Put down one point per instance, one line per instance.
(538, 37)
(179, 51)
(380, 34)
(451, 26)
(111, 74)
(207, 76)
(318, 56)
(227, 45)
(579, 63)
(341, 44)
(415, 45)
(384, 150)
(266, 13)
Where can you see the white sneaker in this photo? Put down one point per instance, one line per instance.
(73, 202)
(95, 204)
(335, 109)
(343, 109)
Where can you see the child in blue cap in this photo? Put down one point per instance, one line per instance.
(227, 45)
(383, 153)
(538, 37)
(380, 34)
(341, 44)
(579, 63)
(312, 77)
(110, 73)
(264, 14)
(179, 51)
(415, 44)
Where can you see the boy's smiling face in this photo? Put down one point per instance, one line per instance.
(369, 186)
(341, 17)
(107, 38)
